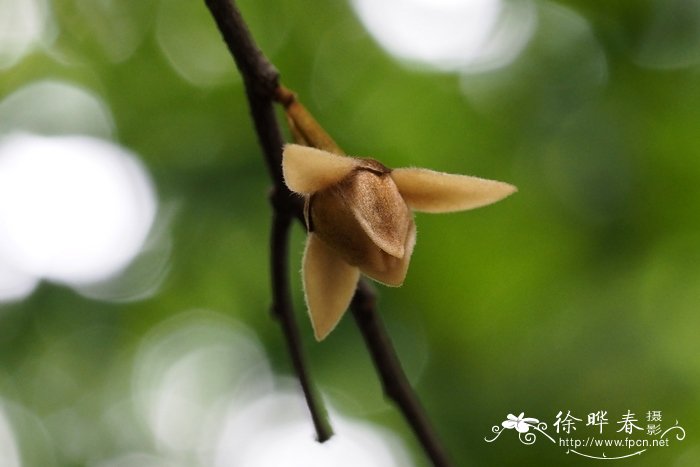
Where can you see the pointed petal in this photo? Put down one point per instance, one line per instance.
(430, 191)
(329, 284)
(379, 208)
(387, 269)
(307, 170)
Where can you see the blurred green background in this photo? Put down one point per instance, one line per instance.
(580, 293)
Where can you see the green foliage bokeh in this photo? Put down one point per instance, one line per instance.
(580, 292)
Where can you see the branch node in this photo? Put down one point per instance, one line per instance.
(284, 96)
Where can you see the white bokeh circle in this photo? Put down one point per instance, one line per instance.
(450, 35)
(73, 209)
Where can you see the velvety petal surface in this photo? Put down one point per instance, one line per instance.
(379, 208)
(307, 170)
(387, 269)
(329, 284)
(430, 191)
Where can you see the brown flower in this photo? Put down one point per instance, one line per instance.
(359, 217)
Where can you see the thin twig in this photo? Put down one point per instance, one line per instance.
(283, 309)
(261, 80)
(394, 382)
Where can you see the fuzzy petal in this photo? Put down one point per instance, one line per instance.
(307, 170)
(333, 221)
(387, 269)
(329, 284)
(430, 191)
(379, 208)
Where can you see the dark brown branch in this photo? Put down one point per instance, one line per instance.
(263, 77)
(261, 80)
(394, 382)
(283, 309)
(262, 87)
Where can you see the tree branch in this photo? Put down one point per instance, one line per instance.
(282, 307)
(261, 80)
(394, 382)
(262, 87)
